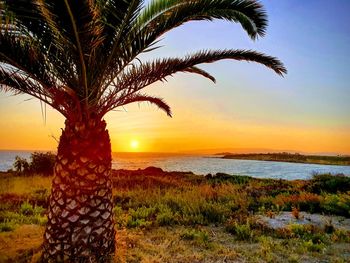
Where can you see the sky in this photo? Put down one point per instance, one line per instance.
(250, 108)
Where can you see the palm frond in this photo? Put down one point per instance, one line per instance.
(19, 82)
(137, 78)
(19, 53)
(161, 16)
(249, 13)
(79, 47)
(160, 103)
(200, 72)
(122, 17)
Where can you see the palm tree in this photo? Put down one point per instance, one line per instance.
(81, 57)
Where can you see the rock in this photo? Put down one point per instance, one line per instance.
(284, 219)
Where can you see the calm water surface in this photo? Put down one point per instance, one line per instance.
(212, 164)
(204, 165)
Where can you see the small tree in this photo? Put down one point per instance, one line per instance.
(42, 163)
(21, 165)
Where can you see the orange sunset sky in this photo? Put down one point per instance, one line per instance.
(249, 108)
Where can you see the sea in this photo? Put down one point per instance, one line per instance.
(203, 165)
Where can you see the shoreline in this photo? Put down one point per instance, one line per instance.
(290, 158)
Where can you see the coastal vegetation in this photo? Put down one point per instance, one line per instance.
(182, 217)
(40, 163)
(291, 157)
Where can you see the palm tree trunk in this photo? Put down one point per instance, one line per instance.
(80, 220)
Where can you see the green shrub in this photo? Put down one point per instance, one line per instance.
(319, 238)
(27, 214)
(214, 212)
(143, 212)
(26, 209)
(42, 163)
(192, 219)
(340, 235)
(142, 223)
(314, 247)
(39, 220)
(189, 234)
(201, 237)
(241, 231)
(118, 211)
(120, 217)
(7, 226)
(302, 231)
(165, 216)
(40, 196)
(141, 217)
(338, 204)
(309, 233)
(227, 178)
(329, 183)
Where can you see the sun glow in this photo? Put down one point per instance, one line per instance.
(134, 144)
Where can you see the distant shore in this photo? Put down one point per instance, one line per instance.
(291, 158)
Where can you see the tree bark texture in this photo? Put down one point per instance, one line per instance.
(80, 224)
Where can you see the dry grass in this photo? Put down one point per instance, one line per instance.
(22, 185)
(21, 244)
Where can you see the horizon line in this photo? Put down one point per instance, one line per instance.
(203, 151)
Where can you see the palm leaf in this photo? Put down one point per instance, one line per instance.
(161, 16)
(137, 78)
(160, 103)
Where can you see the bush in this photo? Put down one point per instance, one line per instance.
(241, 231)
(120, 217)
(341, 235)
(165, 216)
(143, 212)
(138, 223)
(189, 234)
(314, 247)
(214, 212)
(27, 214)
(42, 163)
(304, 201)
(309, 233)
(26, 209)
(21, 165)
(39, 220)
(141, 217)
(7, 226)
(201, 237)
(302, 231)
(329, 183)
(227, 178)
(338, 204)
(40, 195)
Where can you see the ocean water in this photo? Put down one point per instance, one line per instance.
(203, 164)
(7, 158)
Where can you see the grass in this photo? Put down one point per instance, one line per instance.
(179, 217)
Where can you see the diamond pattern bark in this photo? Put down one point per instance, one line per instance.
(80, 220)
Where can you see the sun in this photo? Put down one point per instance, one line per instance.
(134, 144)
